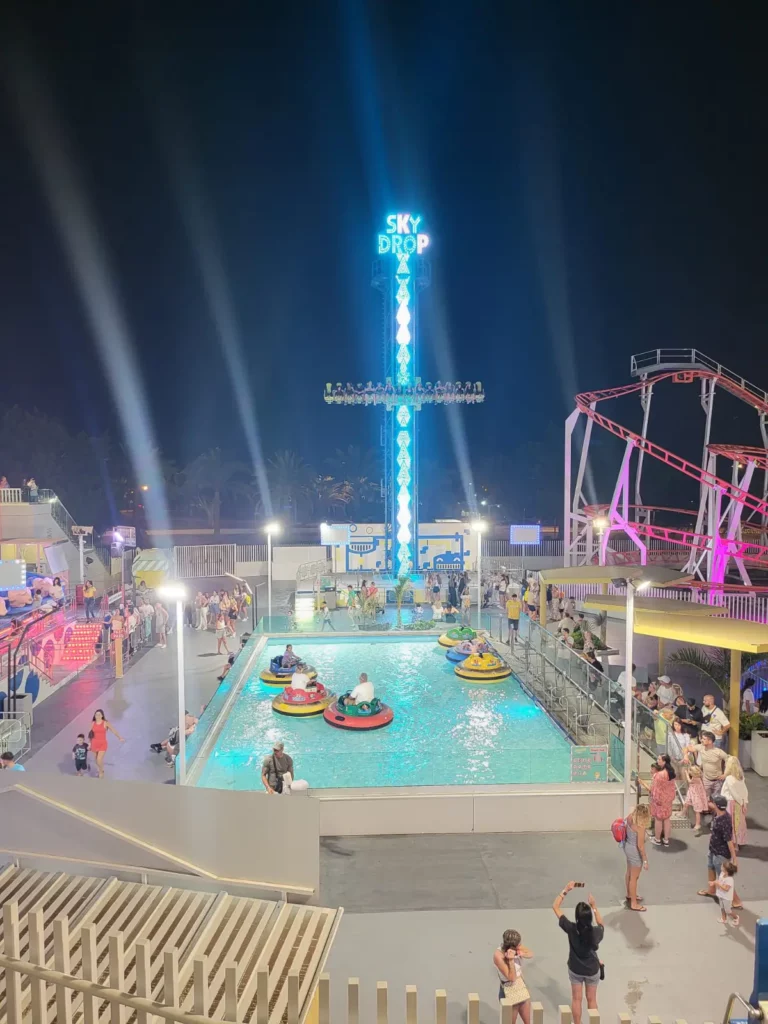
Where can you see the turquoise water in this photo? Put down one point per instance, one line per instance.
(445, 732)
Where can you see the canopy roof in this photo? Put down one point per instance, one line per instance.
(733, 634)
(617, 604)
(659, 576)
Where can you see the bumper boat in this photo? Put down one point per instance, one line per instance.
(483, 668)
(359, 716)
(276, 675)
(302, 703)
(463, 650)
(456, 636)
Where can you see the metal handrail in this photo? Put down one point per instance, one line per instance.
(753, 1013)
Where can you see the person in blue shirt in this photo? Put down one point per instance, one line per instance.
(9, 762)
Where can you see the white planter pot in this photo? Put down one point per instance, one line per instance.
(745, 754)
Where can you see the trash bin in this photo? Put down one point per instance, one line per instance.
(760, 752)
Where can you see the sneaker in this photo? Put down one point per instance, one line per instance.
(698, 832)
(655, 841)
(735, 921)
(665, 842)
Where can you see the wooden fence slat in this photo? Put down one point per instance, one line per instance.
(230, 993)
(171, 977)
(117, 973)
(564, 1012)
(200, 981)
(473, 1008)
(61, 964)
(381, 1002)
(293, 995)
(441, 1006)
(505, 1011)
(411, 1004)
(36, 926)
(324, 999)
(537, 1013)
(262, 997)
(143, 979)
(353, 1001)
(11, 946)
(90, 968)
(594, 1016)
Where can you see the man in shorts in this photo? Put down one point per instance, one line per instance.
(514, 608)
(275, 767)
(721, 848)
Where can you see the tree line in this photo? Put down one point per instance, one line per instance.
(93, 476)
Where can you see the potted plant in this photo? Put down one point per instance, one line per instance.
(747, 725)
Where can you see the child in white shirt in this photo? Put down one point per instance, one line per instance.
(725, 887)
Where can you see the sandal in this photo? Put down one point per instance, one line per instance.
(706, 892)
(637, 910)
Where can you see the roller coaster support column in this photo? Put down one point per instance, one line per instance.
(734, 702)
(630, 636)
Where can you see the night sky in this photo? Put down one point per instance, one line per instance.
(592, 176)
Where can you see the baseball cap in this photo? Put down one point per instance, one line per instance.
(720, 802)
(279, 745)
(664, 679)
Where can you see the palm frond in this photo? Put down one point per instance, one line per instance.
(712, 666)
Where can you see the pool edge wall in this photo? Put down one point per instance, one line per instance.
(557, 807)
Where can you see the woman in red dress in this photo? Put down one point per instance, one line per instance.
(98, 738)
(662, 790)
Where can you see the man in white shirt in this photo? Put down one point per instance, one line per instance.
(715, 720)
(666, 692)
(748, 697)
(362, 693)
(566, 623)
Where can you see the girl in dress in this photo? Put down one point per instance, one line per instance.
(735, 792)
(696, 797)
(662, 797)
(508, 961)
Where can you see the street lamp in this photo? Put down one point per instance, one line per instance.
(177, 592)
(634, 584)
(479, 526)
(271, 528)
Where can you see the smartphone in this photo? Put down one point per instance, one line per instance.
(578, 885)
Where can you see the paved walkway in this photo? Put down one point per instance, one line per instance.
(142, 706)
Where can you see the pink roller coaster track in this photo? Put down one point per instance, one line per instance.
(713, 544)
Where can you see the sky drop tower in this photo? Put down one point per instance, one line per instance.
(400, 273)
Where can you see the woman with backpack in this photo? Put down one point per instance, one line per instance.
(632, 842)
(584, 967)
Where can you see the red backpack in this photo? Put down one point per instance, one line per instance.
(619, 830)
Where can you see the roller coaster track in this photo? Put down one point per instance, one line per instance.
(587, 399)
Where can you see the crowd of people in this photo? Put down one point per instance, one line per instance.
(29, 489)
(387, 394)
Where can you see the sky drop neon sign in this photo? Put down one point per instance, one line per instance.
(402, 237)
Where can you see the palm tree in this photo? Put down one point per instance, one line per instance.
(356, 473)
(714, 665)
(402, 587)
(290, 480)
(210, 478)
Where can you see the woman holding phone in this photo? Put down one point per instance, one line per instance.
(584, 936)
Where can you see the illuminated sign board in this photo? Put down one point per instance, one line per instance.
(402, 237)
(525, 534)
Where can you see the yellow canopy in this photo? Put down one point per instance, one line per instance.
(605, 573)
(617, 604)
(733, 634)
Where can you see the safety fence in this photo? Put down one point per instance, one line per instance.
(749, 606)
(196, 561)
(203, 991)
(252, 552)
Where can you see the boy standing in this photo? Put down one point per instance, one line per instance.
(80, 755)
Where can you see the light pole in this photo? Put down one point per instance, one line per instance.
(271, 528)
(479, 526)
(632, 587)
(177, 592)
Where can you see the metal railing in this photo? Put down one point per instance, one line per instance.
(10, 495)
(251, 553)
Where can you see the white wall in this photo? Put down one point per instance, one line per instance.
(286, 559)
(247, 836)
(457, 810)
(28, 522)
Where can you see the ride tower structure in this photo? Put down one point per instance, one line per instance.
(400, 273)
